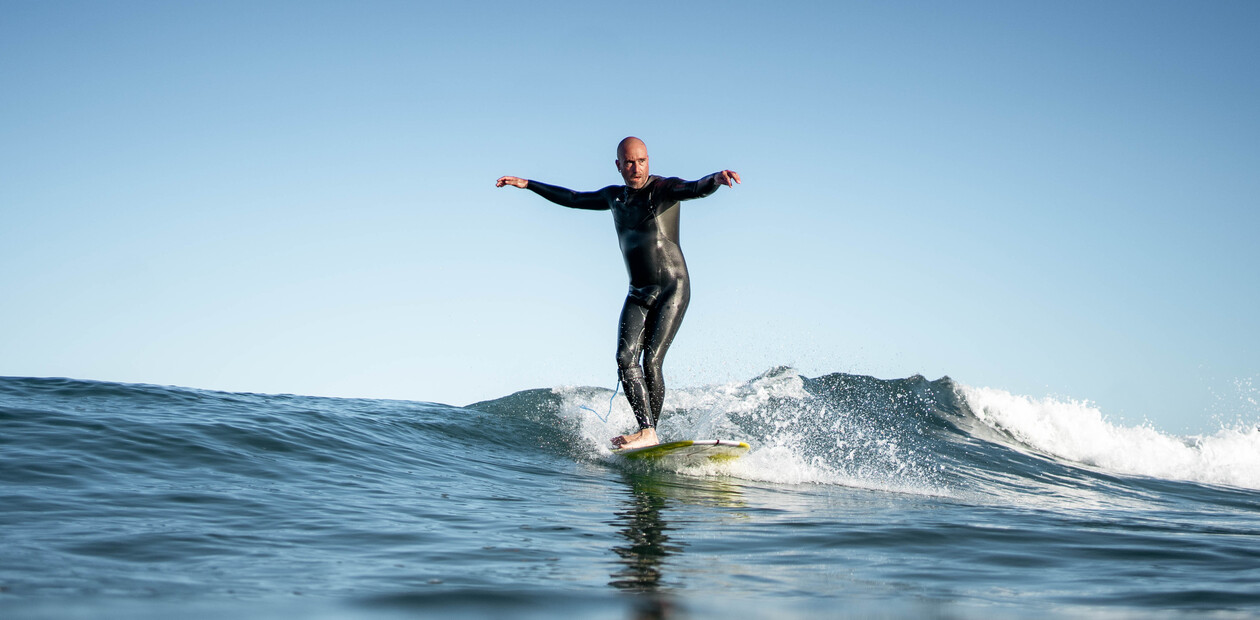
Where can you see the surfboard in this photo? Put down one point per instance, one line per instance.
(688, 452)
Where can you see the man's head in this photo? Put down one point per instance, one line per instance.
(632, 162)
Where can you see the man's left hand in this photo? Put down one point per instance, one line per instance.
(726, 177)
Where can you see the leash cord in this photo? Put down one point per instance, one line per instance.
(604, 418)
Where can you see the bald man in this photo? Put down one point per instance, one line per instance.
(645, 214)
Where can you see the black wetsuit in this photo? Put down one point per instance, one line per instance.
(647, 230)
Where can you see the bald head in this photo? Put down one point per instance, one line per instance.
(629, 142)
(632, 162)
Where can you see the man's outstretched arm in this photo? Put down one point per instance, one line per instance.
(559, 195)
(679, 189)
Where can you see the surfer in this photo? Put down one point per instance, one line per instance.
(645, 214)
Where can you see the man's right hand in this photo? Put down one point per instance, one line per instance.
(517, 181)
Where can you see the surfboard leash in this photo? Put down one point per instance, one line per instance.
(604, 418)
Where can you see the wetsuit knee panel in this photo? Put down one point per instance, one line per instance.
(627, 355)
(631, 373)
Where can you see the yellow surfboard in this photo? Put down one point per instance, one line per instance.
(690, 451)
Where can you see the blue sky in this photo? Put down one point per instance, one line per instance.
(1048, 198)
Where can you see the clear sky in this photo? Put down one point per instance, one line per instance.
(1048, 198)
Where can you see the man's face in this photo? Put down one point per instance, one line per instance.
(633, 163)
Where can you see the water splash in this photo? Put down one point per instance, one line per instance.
(802, 431)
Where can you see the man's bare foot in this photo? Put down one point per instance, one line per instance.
(641, 439)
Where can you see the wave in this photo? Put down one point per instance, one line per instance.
(908, 435)
(76, 434)
(177, 494)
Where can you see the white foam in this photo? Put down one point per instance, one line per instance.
(1077, 431)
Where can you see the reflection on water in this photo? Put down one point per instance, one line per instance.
(645, 556)
(648, 544)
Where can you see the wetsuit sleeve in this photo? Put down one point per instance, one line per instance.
(569, 198)
(678, 189)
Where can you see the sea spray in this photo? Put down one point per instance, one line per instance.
(839, 429)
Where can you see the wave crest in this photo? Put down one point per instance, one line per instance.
(1077, 431)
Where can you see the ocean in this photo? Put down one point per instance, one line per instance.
(861, 497)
